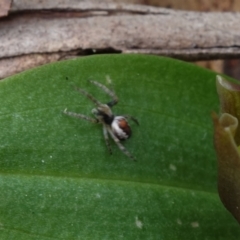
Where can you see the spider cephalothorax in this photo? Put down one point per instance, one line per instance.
(116, 126)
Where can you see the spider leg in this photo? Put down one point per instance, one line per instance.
(88, 95)
(121, 147)
(105, 134)
(132, 118)
(111, 93)
(81, 116)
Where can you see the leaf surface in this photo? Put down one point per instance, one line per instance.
(58, 181)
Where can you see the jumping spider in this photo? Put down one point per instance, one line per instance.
(116, 126)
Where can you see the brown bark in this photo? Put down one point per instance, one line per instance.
(30, 36)
(4, 7)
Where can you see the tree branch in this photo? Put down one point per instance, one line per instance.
(30, 36)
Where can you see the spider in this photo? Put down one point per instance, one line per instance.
(115, 126)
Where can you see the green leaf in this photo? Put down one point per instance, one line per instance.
(58, 181)
(226, 141)
(228, 162)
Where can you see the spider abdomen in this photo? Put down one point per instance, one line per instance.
(120, 128)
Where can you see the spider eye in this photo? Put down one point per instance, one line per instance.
(120, 128)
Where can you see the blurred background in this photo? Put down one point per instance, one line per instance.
(229, 67)
(11, 11)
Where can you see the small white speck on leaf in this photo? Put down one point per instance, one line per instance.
(138, 223)
(98, 195)
(42, 161)
(204, 136)
(195, 224)
(179, 222)
(172, 167)
(193, 193)
(109, 81)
